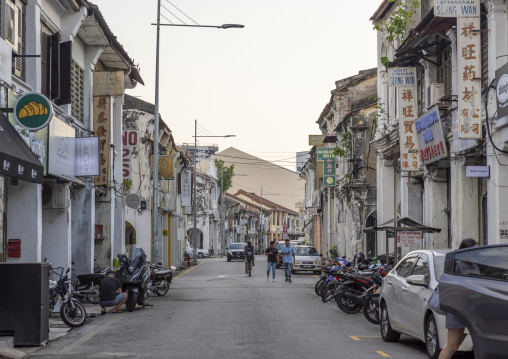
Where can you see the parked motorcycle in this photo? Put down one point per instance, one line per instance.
(86, 286)
(134, 275)
(160, 279)
(72, 312)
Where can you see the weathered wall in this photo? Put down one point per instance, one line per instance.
(82, 228)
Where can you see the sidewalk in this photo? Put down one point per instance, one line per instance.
(57, 329)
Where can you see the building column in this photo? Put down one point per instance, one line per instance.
(435, 208)
(117, 205)
(385, 200)
(83, 228)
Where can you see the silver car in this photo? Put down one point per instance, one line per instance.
(404, 299)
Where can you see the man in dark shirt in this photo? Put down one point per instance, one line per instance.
(111, 293)
(273, 257)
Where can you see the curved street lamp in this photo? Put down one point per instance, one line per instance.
(155, 208)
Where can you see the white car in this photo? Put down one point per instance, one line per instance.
(404, 307)
(307, 260)
(201, 252)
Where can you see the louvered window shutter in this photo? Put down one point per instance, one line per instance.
(44, 64)
(19, 63)
(55, 66)
(65, 73)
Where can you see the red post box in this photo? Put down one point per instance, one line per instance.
(14, 247)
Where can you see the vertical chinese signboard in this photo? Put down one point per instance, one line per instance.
(404, 79)
(186, 188)
(102, 126)
(327, 155)
(469, 71)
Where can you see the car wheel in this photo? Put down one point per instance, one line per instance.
(200, 255)
(432, 338)
(387, 333)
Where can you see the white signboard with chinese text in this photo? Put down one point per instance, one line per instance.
(478, 171)
(401, 76)
(457, 8)
(409, 153)
(469, 73)
(186, 188)
(430, 137)
(61, 149)
(102, 128)
(87, 156)
(409, 239)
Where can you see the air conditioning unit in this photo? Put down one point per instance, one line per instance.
(54, 195)
(435, 93)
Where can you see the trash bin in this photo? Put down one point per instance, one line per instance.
(24, 302)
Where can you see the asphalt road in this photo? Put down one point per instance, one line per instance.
(214, 310)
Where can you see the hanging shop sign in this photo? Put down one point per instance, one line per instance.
(316, 140)
(186, 188)
(33, 111)
(469, 68)
(329, 172)
(5, 61)
(108, 83)
(325, 153)
(409, 151)
(401, 76)
(61, 149)
(409, 239)
(457, 8)
(166, 167)
(130, 140)
(102, 128)
(502, 91)
(87, 156)
(430, 137)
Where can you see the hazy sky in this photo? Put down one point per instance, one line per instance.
(267, 83)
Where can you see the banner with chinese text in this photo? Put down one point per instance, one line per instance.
(102, 129)
(329, 171)
(408, 110)
(469, 73)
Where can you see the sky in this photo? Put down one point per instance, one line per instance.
(266, 83)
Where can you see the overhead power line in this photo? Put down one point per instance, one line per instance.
(187, 16)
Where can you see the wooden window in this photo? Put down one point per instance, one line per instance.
(56, 63)
(15, 33)
(77, 92)
(444, 71)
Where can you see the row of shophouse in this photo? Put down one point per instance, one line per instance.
(422, 136)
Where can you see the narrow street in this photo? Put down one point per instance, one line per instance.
(215, 311)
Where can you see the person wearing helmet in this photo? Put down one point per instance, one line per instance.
(359, 257)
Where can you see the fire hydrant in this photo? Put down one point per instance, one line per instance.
(188, 260)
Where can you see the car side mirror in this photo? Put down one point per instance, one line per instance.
(417, 279)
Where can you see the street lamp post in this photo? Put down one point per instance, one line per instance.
(223, 235)
(155, 184)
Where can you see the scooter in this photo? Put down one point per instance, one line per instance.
(86, 286)
(160, 279)
(134, 274)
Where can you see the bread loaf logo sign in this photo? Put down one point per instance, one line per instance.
(33, 111)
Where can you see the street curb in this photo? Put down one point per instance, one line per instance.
(10, 353)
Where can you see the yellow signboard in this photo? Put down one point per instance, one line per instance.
(166, 167)
(108, 83)
(316, 140)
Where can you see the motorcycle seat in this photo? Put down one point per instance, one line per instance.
(163, 272)
(90, 276)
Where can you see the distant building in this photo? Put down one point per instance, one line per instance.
(204, 151)
(301, 159)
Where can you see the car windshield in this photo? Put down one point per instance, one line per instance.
(306, 251)
(237, 246)
(439, 261)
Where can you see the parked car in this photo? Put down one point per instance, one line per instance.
(201, 252)
(279, 245)
(307, 260)
(404, 299)
(235, 251)
(479, 296)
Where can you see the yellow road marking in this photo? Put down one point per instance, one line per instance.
(89, 335)
(383, 354)
(315, 276)
(187, 271)
(357, 337)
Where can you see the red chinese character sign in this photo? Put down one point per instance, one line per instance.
(469, 68)
(430, 137)
(409, 153)
(102, 129)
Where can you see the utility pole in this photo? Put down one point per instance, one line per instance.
(261, 219)
(195, 259)
(223, 249)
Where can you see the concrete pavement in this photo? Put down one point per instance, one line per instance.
(214, 310)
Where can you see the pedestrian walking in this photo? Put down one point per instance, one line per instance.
(273, 258)
(288, 260)
(249, 256)
(454, 325)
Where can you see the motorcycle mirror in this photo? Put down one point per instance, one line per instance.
(119, 256)
(68, 270)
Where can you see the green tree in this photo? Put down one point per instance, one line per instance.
(225, 173)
